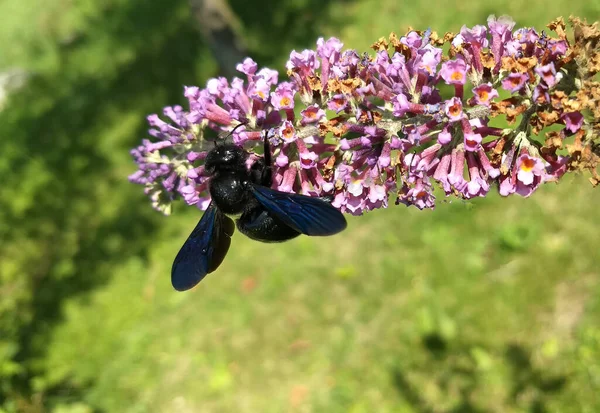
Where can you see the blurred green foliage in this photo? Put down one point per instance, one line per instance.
(488, 306)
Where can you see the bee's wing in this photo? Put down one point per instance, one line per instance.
(305, 214)
(204, 250)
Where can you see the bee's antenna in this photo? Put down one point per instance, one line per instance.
(234, 129)
(224, 135)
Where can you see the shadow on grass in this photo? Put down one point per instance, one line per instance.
(57, 120)
(453, 369)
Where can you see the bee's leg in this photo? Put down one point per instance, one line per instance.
(267, 171)
(257, 171)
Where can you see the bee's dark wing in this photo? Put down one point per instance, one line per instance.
(305, 214)
(204, 250)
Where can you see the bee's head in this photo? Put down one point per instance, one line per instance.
(225, 156)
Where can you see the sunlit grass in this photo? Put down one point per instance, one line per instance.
(440, 304)
(487, 305)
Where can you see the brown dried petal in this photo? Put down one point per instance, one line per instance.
(521, 65)
(487, 60)
(558, 26)
(381, 44)
(335, 126)
(435, 40)
(554, 140)
(314, 82)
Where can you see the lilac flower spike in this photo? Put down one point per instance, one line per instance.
(363, 128)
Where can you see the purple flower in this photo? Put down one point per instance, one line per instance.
(472, 141)
(507, 184)
(477, 184)
(329, 49)
(419, 195)
(573, 121)
(283, 96)
(270, 76)
(287, 131)
(282, 159)
(308, 158)
(454, 72)
(484, 161)
(484, 94)
(500, 26)
(501, 34)
(329, 52)
(303, 62)
(477, 35)
(514, 82)
(260, 89)
(377, 197)
(540, 94)
(557, 47)
(247, 67)
(190, 194)
(548, 74)
(454, 110)
(429, 58)
(412, 40)
(312, 114)
(530, 174)
(401, 105)
(441, 172)
(338, 103)
(444, 137)
(456, 178)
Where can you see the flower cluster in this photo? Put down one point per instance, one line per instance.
(503, 107)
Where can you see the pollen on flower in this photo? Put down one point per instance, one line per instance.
(458, 77)
(455, 110)
(288, 132)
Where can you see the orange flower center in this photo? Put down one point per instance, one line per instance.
(288, 133)
(527, 164)
(338, 101)
(483, 95)
(285, 101)
(305, 161)
(471, 143)
(457, 76)
(455, 110)
(514, 81)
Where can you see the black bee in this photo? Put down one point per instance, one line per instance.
(263, 214)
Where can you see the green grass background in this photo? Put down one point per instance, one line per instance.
(491, 305)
